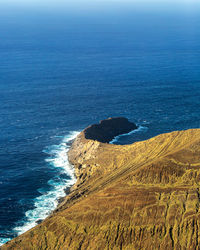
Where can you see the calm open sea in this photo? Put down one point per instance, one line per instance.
(60, 72)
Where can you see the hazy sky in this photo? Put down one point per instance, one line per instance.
(85, 6)
(93, 2)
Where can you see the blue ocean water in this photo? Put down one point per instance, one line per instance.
(60, 72)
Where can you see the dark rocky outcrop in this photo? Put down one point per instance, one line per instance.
(107, 129)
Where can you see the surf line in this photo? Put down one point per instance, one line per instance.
(139, 129)
(49, 199)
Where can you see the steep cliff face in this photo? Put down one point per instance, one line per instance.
(140, 196)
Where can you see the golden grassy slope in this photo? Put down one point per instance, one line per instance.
(140, 196)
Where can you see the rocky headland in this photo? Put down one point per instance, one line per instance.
(107, 129)
(140, 196)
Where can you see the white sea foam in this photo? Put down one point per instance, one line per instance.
(4, 240)
(48, 200)
(140, 129)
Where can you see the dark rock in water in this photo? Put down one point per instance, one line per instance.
(107, 129)
(67, 190)
(39, 221)
(60, 200)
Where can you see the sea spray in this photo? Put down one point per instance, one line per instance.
(48, 200)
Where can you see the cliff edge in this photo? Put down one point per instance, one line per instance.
(140, 196)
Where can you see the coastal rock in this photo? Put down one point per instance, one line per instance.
(107, 129)
(139, 196)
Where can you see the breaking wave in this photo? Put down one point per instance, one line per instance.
(49, 198)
